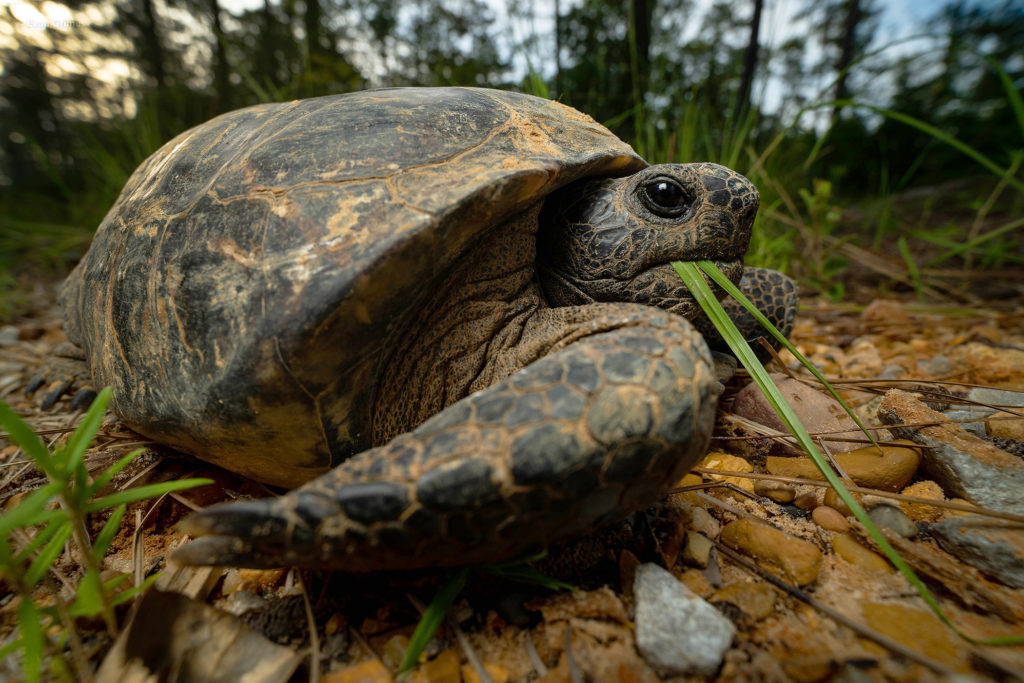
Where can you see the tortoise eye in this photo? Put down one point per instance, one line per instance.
(665, 197)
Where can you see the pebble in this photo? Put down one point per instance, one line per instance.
(756, 600)
(808, 500)
(829, 518)
(960, 462)
(856, 554)
(891, 372)
(677, 632)
(716, 460)
(9, 335)
(497, 673)
(775, 490)
(775, 551)
(369, 671)
(832, 499)
(991, 366)
(696, 581)
(936, 367)
(920, 631)
(863, 360)
(255, 580)
(444, 668)
(885, 311)
(702, 521)
(394, 651)
(1001, 427)
(993, 546)
(817, 411)
(890, 470)
(697, 550)
(892, 518)
(977, 427)
(922, 512)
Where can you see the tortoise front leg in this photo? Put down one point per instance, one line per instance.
(575, 440)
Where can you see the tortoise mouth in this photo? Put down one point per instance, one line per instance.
(661, 286)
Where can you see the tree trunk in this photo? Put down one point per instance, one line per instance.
(847, 52)
(640, 55)
(152, 47)
(558, 49)
(221, 68)
(749, 63)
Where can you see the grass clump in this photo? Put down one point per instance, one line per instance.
(33, 536)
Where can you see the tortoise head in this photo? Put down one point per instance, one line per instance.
(612, 239)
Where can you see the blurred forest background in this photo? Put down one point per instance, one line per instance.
(895, 158)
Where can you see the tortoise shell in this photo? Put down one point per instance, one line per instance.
(242, 293)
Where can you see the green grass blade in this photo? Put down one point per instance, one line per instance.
(524, 573)
(21, 434)
(691, 276)
(128, 594)
(89, 599)
(107, 533)
(41, 537)
(32, 638)
(141, 492)
(732, 290)
(432, 618)
(48, 555)
(1012, 93)
(31, 510)
(950, 140)
(112, 471)
(908, 258)
(79, 441)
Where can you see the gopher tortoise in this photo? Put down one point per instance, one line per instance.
(444, 317)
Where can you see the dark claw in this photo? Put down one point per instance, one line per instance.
(34, 384)
(256, 534)
(83, 399)
(54, 395)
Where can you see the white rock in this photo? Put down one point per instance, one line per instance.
(677, 632)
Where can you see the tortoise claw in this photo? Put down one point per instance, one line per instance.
(83, 399)
(257, 533)
(34, 384)
(56, 390)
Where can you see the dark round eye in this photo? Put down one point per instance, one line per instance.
(665, 197)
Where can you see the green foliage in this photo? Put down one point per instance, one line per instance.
(34, 533)
(519, 570)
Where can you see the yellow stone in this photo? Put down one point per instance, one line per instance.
(444, 668)
(833, 500)
(830, 518)
(775, 551)
(888, 468)
(922, 512)
(774, 490)
(695, 580)
(920, 631)
(498, 674)
(716, 460)
(755, 599)
(854, 553)
(369, 671)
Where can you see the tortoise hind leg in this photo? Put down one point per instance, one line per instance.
(574, 440)
(64, 371)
